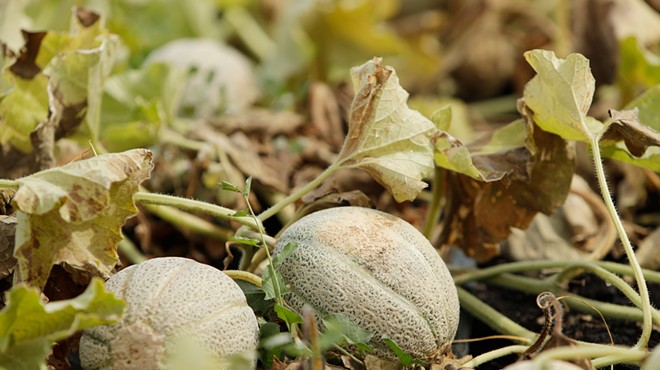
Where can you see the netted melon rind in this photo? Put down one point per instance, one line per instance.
(377, 270)
(170, 297)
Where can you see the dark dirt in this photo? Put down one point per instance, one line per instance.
(522, 309)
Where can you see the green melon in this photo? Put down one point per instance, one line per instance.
(378, 271)
(172, 301)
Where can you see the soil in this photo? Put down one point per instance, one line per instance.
(522, 309)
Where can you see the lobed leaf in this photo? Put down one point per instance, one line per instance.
(28, 327)
(73, 214)
(386, 138)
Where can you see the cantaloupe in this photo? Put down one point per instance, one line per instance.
(379, 272)
(172, 301)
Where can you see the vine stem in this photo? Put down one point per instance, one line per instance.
(647, 325)
(492, 317)
(245, 276)
(194, 206)
(298, 193)
(494, 354)
(623, 354)
(435, 206)
(8, 184)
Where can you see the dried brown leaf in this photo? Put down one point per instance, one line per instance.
(637, 136)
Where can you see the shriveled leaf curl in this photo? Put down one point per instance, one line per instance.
(386, 138)
(73, 214)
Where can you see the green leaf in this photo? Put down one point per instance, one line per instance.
(284, 253)
(270, 351)
(73, 214)
(225, 185)
(289, 316)
(28, 327)
(268, 283)
(638, 68)
(247, 187)
(256, 298)
(137, 104)
(560, 94)
(338, 325)
(245, 240)
(386, 138)
(404, 358)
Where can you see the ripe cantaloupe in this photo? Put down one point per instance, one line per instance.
(378, 271)
(172, 300)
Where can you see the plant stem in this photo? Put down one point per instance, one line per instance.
(188, 222)
(245, 276)
(263, 216)
(465, 276)
(130, 251)
(647, 325)
(250, 32)
(492, 317)
(435, 206)
(8, 184)
(622, 354)
(492, 355)
(194, 206)
(535, 286)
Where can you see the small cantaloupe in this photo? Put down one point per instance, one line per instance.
(379, 272)
(172, 300)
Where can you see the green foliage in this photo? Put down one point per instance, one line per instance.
(638, 68)
(28, 327)
(137, 104)
(404, 358)
(73, 214)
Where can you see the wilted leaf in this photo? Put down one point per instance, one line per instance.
(61, 74)
(386, 138)
(28, 327)
(73, 214)
(560, 94)
(649, 116)
(537, 179)
(626, 126)
(7, 237)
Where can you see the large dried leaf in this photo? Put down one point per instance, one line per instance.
(28, 327)
(560, 94)
(386, 138)
(536, 178)
(73, 214)
(638, 137)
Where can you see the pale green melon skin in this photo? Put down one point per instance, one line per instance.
(377, 270)
(167, 297)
